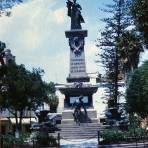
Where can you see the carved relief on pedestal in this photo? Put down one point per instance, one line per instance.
(77, 45)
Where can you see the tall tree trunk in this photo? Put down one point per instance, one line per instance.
(20, 121)
(116, 53)
(17, 124)
(116, 78)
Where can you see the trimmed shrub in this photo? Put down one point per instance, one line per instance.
(115, 135)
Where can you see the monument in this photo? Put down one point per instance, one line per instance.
(78, 78)
(76, 42)
(78, 82)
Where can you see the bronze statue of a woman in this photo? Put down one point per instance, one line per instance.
(74, 11)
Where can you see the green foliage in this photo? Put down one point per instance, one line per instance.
(130, 48)
(51, 88)
(3, 68)
(113, 48)
(43, 139)
(139, 9)
(137, 92)
(53, 101)
(6, 5)
(139, 132)
(25, 90)
(10, 140)
(134, 121)
(120, 48)
(112, 136)
(115, 135)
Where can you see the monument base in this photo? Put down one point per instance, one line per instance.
(72, 92)
(75, 79)
(76, 32)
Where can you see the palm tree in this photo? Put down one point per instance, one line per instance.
(53, 102)
(130, 47)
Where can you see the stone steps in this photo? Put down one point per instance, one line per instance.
(71, 121)
(87, 129)
(80, 130)
(79, 127)
(69, 114)
(82, 124)
(79, 135)
(83, 131)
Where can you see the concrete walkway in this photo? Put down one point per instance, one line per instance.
(81, 143)
(92, 143)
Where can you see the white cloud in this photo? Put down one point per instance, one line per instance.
(91, 49)
(55, 67)
(91, 56)
(33, 34)
(60, 15)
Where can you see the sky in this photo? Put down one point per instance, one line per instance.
(35, 33)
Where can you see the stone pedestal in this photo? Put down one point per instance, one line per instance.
(72, 92)
(77, 71)
(77, 56)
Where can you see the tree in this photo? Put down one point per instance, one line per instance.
(51, 88)
(53, 102)
(137, 92)
(139, 10)
(52, 99)
(120, 49)
(25, 90)
(6, 5)
(2, 63)
(3, 66)
(110, 38)
(2, 47)
(130, 46)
